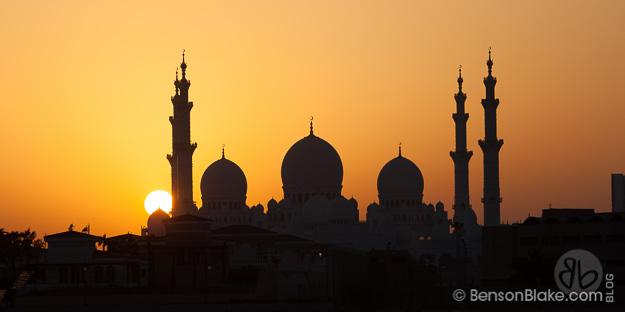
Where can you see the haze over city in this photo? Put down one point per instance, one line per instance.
(87, 97)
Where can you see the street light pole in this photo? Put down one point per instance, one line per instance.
(84, 278)
(208, 268)
(458, 231)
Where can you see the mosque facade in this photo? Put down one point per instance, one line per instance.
(313, 206)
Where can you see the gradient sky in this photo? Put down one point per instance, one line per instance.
(86, 98)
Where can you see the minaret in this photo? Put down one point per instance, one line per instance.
(461, 156)
(490, 147)
(181, 158)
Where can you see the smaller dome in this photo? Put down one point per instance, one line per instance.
(430, 207)
(155, 222)
(354, 203)
(340, 208)
(373, 207)
(400, 178)
(223, 179)
(465, 216)
(272, 204)
(440, 206)
(258, 209)
(315, 209)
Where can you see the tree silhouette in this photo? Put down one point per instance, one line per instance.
(103, 242)
(15, 245)
(536, 269)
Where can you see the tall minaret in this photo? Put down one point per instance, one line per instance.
(461, 157)
(490, 147)
(181, 158)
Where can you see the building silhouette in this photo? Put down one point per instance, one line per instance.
(464, 213)
(490, 147)
(618, 192)
(313, 207)
(524, 254)
(181, 159)
(309, 244)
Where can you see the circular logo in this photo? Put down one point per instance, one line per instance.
(459, 295)
(578, 271)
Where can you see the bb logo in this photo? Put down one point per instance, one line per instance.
(578, 271)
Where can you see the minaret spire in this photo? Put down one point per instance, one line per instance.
(311, 125)
(463, 212)
(490, 147)
(176, 81)
(223, 151)
(399, 150)
(460, 80)
(183, 65)
(181, 159)
(489, 63)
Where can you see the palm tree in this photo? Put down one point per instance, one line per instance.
(536, 269)
(102, 242)
(28, 241)
(14, 245)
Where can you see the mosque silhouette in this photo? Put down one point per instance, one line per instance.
(313, 206)
(309, 251)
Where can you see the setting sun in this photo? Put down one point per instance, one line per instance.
(156, 200)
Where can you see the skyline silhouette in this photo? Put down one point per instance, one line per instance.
(331, 169)
(97, 110)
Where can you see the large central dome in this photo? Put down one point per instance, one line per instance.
(312, 163)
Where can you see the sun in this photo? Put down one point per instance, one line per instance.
(156, 200)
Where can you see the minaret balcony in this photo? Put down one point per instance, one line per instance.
(490, 103)
(490, 144)
(171, 158)
(462, 117)
(461, 154)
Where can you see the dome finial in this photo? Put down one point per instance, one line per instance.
(460, 80)
(399, 149)
(311, 125)
(489, 63)
(223, 151)
(183, 65)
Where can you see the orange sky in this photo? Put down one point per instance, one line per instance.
(86, 88)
